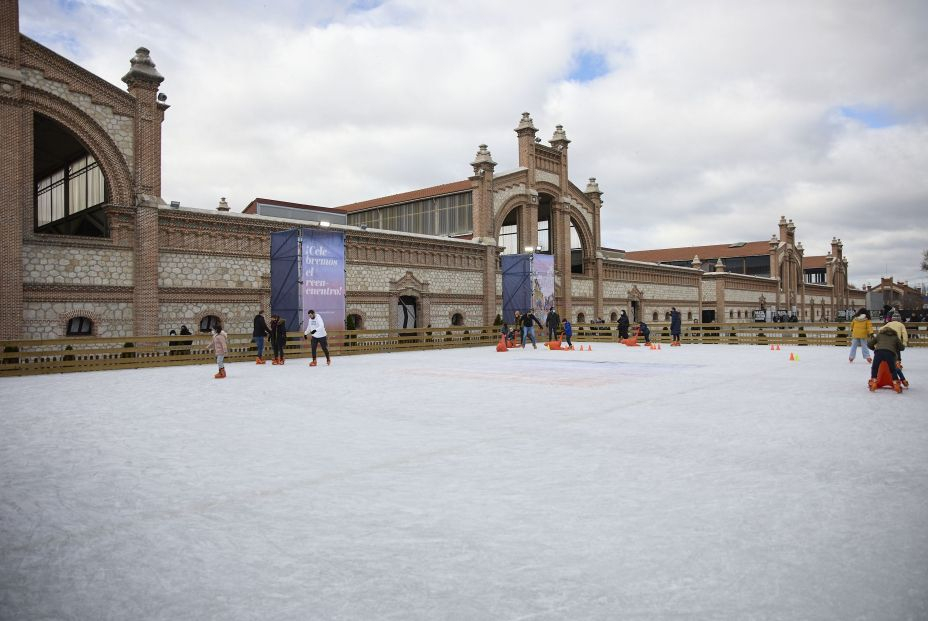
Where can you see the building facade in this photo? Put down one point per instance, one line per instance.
(89, 247)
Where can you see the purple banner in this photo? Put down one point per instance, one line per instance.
(323, 277)
(542, 284)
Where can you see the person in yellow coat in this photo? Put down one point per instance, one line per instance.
(861, 329)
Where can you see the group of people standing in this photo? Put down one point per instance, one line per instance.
(887, 344)
(276, 332)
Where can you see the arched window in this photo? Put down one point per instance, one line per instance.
(209, 322)
(68, 183)
(731, 314)
(613, 316)
(654, 316)
(667, 316)
(581, 318)
(457, 319)
(80, 326)
(354, 322)
(689, 316)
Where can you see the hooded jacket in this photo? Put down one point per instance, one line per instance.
(886, 339)
(899, 328)
(220, 343)
(861, 327)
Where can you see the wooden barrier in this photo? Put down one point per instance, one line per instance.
(68, 355)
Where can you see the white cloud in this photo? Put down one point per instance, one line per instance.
(714, 119)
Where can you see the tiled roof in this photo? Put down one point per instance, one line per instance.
(724, 251)
(814, 263)
(412, 195)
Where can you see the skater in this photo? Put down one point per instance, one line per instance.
(899, 328)
(623, 325)
(861, 329)
(259, 332)
(675, 321)
(553, 323)
(644, 331)
(528, 328)
(886, 346)
(280, 339)
(220, 345)
(518, 328)
(315, 331)
(568, 332)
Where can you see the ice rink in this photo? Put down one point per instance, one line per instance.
(705, 482)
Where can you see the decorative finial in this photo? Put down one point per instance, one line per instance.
(143, 69)
(223, 205)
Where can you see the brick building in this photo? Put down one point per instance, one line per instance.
(88, 245)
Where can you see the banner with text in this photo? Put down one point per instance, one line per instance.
(542, 284)
(323, 276)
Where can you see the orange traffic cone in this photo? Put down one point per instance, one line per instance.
(778, 348)
(772, 348)
(658, 345)
(792, 357)
(589, 348)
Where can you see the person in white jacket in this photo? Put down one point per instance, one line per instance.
(315, 331)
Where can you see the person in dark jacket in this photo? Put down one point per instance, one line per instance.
(280, 339)
(259, 333)
(185, 331)
(887, 347)
(675, 321)
(553, 323)
(528, 328)
(623, 325)
(644, 331)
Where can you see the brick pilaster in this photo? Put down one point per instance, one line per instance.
(14, 186)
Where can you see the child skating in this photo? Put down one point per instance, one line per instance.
(886, 346)
(220, 346)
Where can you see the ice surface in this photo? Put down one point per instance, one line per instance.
(705, 482)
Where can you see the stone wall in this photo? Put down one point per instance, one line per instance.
(234, 316)
(120, 128)
(77, 266)
(441, 313)
(364, 277)
(196, 270)
(49, 320)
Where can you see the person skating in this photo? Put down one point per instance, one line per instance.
(886, 346)
(675, 326)
(899, 328)
(528, 328)
(220, 345)
(861, 329)
(259, 333)
(568, 332)
(315, 331)
(644, 331)
(280, 340)
(518, 327)
(553, 323)
(623, 325)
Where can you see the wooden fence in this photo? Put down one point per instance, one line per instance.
(66, 355)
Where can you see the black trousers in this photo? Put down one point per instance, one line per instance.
(324, 342)
(279, 348)
(884, 355)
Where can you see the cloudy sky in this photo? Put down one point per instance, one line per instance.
(703, 122)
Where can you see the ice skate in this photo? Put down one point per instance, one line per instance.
(897, 386)
(872, 384)
(328, 362)
(905, 383)
(313, 363)
(276, 361)
(260, 360)
(221, 374)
